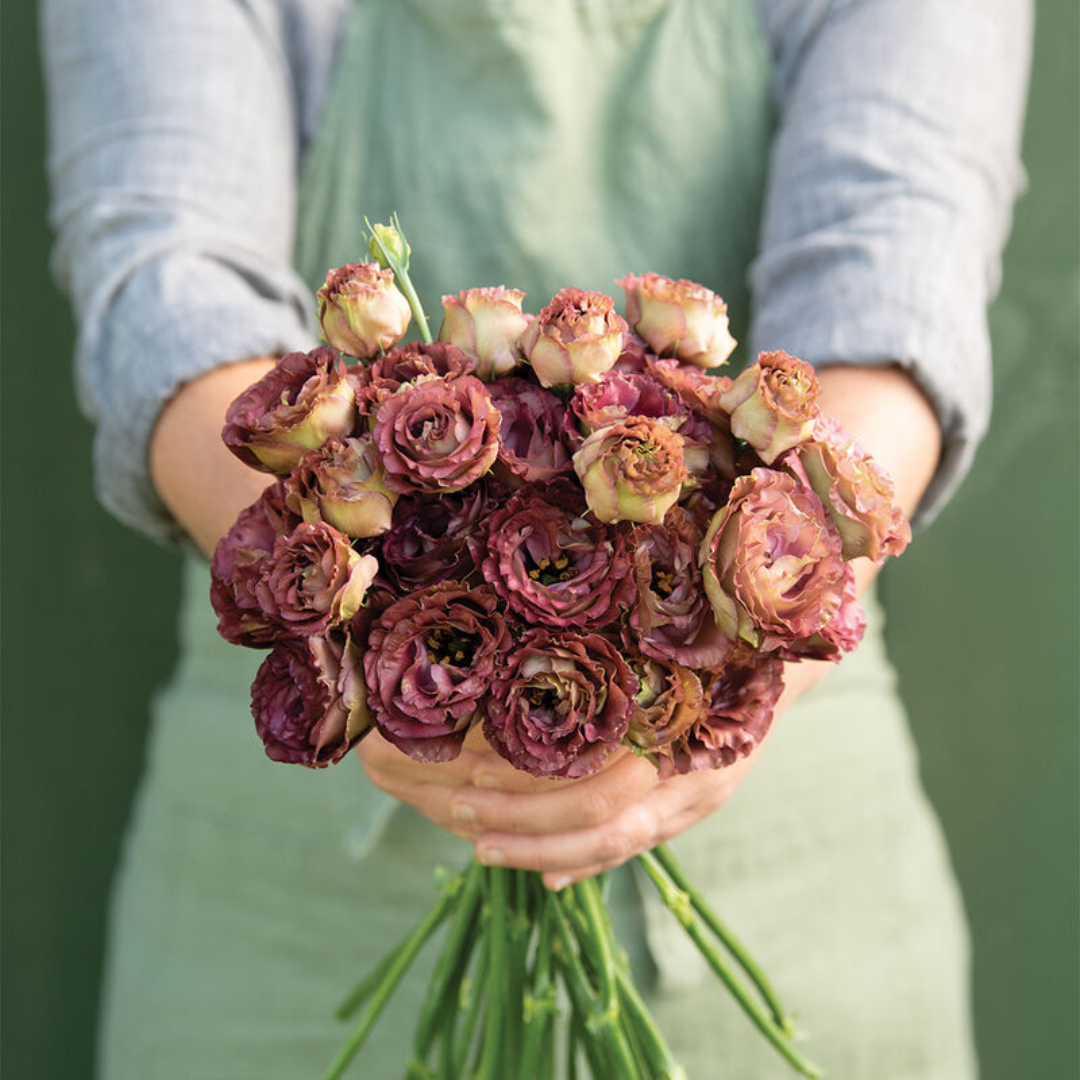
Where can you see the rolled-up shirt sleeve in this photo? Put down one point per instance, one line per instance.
(173, 161)
(892, 179)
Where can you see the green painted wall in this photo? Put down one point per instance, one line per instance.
(983, 626)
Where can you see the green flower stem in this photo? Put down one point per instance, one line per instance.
(491, 1061)
(472, 996)
(666, 858)
(363, 989)
(540, 1004)
(404, 282)
(600, 935)
(520, 931)
(401, 960)
(661, 1061)
(677, 901)
(451, 964)
(602, 1017)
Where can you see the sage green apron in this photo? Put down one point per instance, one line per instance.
(536, 143)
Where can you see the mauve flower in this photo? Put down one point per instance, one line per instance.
(841, 634)
(427, 541)
(561, 704)
(239, 560)
(773, 404)
(534, 444)
(575, 339)
(678, 318)
(672, 618)
(361, 311)
(669, 700)
(771, 561)
(619, 394)
(437, 435)
(550, 563)
(293, 409)
(342, 484)
(635, 356)
(429, 663)
(407, 364)
(739, 703)
(857, 492)
(314, 579)
(309, 701)
(486, 324)
(632, 471)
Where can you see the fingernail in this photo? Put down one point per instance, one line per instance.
(464, 813)
(491, 856)
(486, 780)
(560, 883)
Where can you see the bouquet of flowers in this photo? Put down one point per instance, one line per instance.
(559, 529)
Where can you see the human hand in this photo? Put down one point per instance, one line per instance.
(566, 829)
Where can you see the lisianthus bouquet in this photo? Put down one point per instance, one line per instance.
(561, 530)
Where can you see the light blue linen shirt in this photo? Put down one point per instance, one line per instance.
(177, 130)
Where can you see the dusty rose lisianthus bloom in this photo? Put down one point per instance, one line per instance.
(486, 324)
(773, 404)
(238, 563)
(561, 704)
(632, 471)
(309, 701)
(678, 318)
(551, 564)
(361, 311)
(771, 561)
(857, 492)
(314, 579)
(437, 435)
(575, 339)
(533, 437)
(342, 484)
(429, 662)
(293, 409)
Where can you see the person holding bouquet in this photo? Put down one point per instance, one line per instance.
(848, 164)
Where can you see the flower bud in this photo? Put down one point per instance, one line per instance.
(773, 404)
(575, 339)
(486, 325)
(392, 243)
(678, 318)
(361, 311)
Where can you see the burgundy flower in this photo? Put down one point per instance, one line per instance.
(427, 542)
(437, 435)
(533, 443)
(739, 703)
(672, 619)
(293, 409)
(239, 560)
(309, 702)
(314, 579)
(429, 663)
(551, 564)
(575, 339)
(561, 704)
(342, 484)
(771, 561)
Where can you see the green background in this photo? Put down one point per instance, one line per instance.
(983, 625)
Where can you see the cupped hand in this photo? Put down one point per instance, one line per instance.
(566, 829)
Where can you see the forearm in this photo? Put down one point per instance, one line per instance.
(199, 479)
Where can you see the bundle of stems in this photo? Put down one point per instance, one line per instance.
(526, 976)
